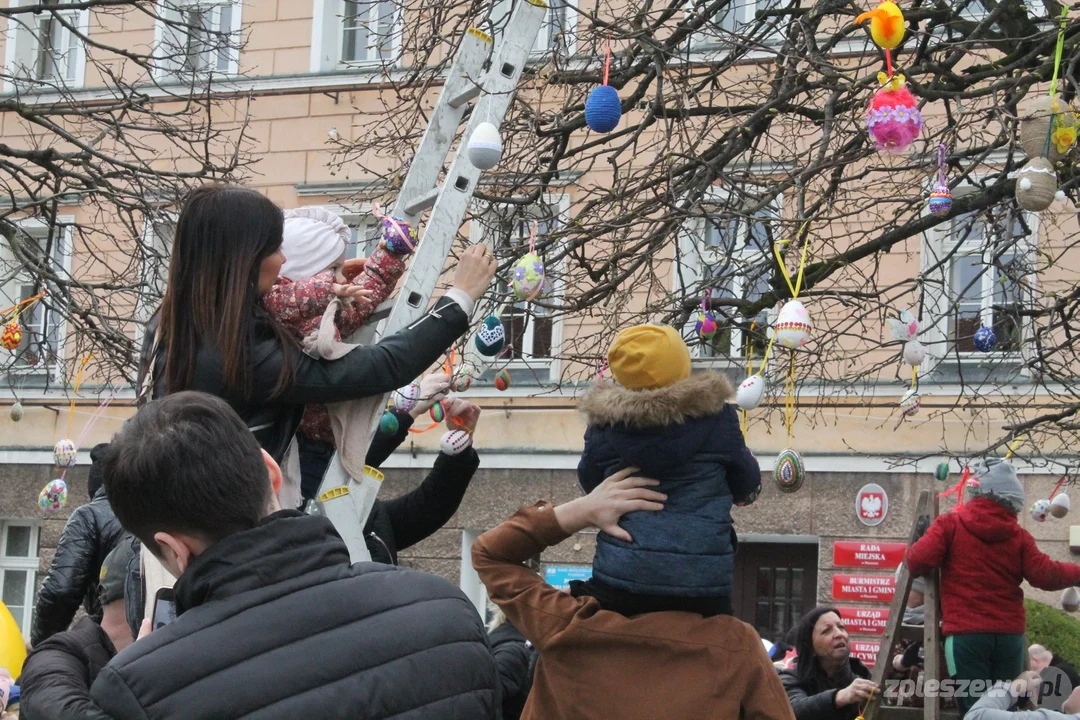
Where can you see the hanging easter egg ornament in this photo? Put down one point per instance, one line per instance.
(389, 424)
(1036, 185)
(905, 328)
(1048, 128)
(399, 236)
(603, 109)
(789, 471)
(527, 276)
(53, 496)
(491, 338)
(893, 119)
(502, 380)
(455, 442)
(984, 339)
(750, 391)
(1070, 599)
(914, 353)
(16, 412)
(886, 25)
(942, 472)
(405, 399)
(463, 378)
(910, 403)
(64, 453)
(792, 325)
(941, 196)
(437, 412)
(1060, 505)
(706, 325)
(485, 147)
(1039, 510)
(12, 335)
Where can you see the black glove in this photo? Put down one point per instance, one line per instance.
(922, 527)
(913, 655)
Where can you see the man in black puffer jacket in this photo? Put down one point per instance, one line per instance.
(90, 534)
(272, 621)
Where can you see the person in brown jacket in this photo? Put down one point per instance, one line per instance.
(596, 664)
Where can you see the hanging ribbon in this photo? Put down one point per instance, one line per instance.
(1057, 487)
(914, 376)
(869, 699)
(958, 489)
(86, 428)
(942, 168)
(888, 62)
(75, 391)
(607, 60)
(749, 371)
(1060, 49)
(1012, 447)
(377, 213)
(601, 368)
(789, 400)
(23, 306)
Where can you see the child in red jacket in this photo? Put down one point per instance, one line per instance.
(984, 555)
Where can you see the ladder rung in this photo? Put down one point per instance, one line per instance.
(467, 95)
(422, 202)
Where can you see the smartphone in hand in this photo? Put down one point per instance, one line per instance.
(164, 608)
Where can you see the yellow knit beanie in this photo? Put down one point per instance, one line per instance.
(649, 356)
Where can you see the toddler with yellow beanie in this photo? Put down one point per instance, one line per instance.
(679, 429)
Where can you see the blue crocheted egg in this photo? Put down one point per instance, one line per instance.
(603, 109)
(984, 339)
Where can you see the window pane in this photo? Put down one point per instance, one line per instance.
(385, 29)
(541, 344)
(1008, 273)
(355, 32)
(14, 591)
(18, 541)
(966, 288)
(223, 41)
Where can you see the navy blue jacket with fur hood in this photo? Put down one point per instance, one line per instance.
(686, 436)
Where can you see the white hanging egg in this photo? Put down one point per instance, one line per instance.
(750, 391)
(910, 403)
(16, 412)
(914, 352)
(1039, 510)
(485, 146)
(1070, 599)
(64, 453)
(463, 378)
(1060, 506)
(455, 442)
(405, 398)
(792, 325)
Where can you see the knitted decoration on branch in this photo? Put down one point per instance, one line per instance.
(941, 196)
(1048, 128)
(1036, 185)
(893, 119)
(502, 380)
(491, 338)
(12, 336)
(485, 146)
(603, 109)
(706, 326)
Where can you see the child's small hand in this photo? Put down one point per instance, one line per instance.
(354, 292)
(352, 268)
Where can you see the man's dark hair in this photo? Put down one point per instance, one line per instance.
(186, 463)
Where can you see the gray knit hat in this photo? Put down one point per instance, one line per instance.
(997, 480)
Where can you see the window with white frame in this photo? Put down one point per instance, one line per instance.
(738, 18)
(19, 541)
(43, 325)
(557, 34)
(988, 274)
(347, 33)
(732, 257)
(45, 50)
(197, 38)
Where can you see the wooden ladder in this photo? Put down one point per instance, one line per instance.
(929, 633)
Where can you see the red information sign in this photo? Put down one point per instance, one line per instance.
(867, 588)
(885, 555)
(866, 650)
(865, 620)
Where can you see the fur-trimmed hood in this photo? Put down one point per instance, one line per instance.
(697, 396)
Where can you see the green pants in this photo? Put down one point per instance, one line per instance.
(986, 657)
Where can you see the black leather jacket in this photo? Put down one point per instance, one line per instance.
(90, 534)
(366, 371)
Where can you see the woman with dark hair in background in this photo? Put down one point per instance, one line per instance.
(211, 334)
(827, 683)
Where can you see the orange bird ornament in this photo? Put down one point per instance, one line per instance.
(886, 24)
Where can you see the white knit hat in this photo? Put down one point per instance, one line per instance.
(313, 240)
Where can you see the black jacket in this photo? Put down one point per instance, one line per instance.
(57, 675)
(273, 622)
(91, 533)
(687, 436)
(400, 523)
(516, 661)
(1067, 668)
(366, 371)
(815, 699)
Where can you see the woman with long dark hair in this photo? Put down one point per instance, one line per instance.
(211, 334)
(827, 683)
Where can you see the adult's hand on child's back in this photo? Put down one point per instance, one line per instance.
(609, 501)
(461, 414)
(475, 270)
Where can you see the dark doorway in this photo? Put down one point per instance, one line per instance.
(775, 585)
